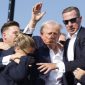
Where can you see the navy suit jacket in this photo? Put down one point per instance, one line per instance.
(79, 58)
(42, 52)
(83, 80)
(6, 68)
(41, 56)
(16, 74)
(5, 53)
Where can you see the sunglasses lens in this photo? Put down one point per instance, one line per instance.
(73, 20)
(65, 22)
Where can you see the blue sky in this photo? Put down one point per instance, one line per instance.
(53, 10)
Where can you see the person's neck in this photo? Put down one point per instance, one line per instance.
(54, 47)
(7, 46)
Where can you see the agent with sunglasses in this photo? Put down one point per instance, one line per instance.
(74, 50)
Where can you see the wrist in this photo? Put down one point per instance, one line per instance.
(32, 23)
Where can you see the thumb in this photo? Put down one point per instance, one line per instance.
(42, 14)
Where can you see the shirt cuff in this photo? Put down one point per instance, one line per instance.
(61, 66)
(28, 30)
(6, 60)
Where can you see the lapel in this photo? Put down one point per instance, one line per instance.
(77, 44)
(65, 50)
(45, 53)
(43, 50)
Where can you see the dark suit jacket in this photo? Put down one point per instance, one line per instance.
(5, 53)
(42, 50)
(16, 74)
(42, 55)
(79, 57)
(82, 80)
(32, 69)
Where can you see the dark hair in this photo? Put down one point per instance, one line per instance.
(68, 9)
(8, 24)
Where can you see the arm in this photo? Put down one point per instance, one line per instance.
(1, 64)
(19, 71)
(79, 74)
(36, 16)
(47, 67)
(6, 59)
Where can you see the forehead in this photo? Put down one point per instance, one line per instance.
(69, 15)
(13, 28)
(51, 28)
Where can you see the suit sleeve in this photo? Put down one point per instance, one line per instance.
(1, 58)
(1, 65)
(19, 71)
(83, 80)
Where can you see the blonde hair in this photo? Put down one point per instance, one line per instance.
(24, 41)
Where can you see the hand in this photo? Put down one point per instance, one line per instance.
(46, 67)
(17, 60)
(78, 73)
(36, 16)
(36, 12)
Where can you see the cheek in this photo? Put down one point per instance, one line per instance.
(67, 28)
(44, 37)
(76, 26)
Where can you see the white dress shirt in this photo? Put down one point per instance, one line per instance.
(28, 31)
(55, 75)
(6, 60)
(70, 50)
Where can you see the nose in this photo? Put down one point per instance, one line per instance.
(69, 23)
(52, 35)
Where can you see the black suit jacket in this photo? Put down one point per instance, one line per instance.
(83, 80)
(79, 57)
(16, 74)
(5, 53)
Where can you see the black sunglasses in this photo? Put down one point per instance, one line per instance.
(73, 20)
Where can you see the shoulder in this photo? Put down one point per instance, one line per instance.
(81, 32)
(38, 40)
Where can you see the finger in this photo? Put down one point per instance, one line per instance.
(78, 69)
(47, 71)
(38, 6)
(42, 14)
(43, 69)
(40, 63)
(75, 72)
